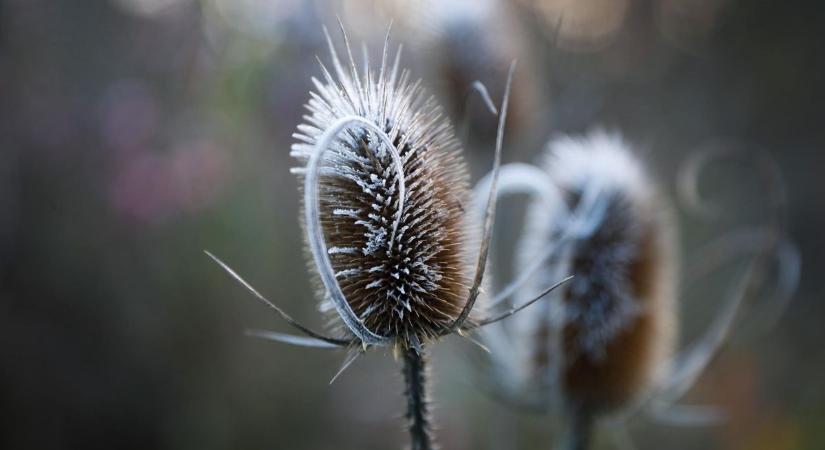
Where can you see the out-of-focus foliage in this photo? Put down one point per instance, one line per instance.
(135, 133)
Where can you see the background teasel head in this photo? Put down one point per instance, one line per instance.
(456, 44)
(605, 338)
(619, 317)
(612, 230)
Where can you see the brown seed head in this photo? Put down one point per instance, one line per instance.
(394, 239)
(610, 331)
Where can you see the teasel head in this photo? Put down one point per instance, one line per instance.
(384, 194)
(384, 188)
(618, 330)
(605, 338)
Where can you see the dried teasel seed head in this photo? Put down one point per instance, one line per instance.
(385, 183)
(609, 336)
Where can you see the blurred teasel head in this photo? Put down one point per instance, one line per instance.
(618, 312)
(607, 335)
(384, 186)
(466, 41)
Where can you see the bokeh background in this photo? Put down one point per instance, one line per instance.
(136, 133)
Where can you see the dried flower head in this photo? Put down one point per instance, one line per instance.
(619, 318)
(611, 329)
(385, 204)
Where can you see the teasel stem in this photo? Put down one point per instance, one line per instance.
(415, 379)
(579, 435)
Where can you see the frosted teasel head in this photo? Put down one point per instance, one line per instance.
(384, 189)
(621, 246)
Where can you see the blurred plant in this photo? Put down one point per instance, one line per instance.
(467, 40)
(579, 26)
(604, 346)
(456, 43)
(384, 221)
(688, 24)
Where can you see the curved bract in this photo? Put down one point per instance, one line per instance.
(315, 236)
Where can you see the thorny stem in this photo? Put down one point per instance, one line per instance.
(417, 405)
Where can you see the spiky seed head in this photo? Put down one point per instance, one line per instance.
(395, 239)
(615, 328)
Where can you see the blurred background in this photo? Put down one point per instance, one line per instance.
(136, 133)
